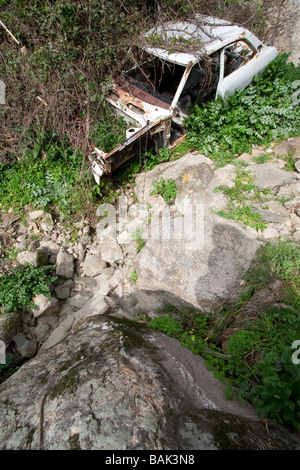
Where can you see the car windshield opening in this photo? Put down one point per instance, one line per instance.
(201, 84)
(154, 80)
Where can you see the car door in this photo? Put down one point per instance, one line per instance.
(240, 63)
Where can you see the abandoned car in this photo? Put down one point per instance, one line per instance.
(179, 65)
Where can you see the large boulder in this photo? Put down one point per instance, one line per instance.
(116, 384)
(203, 272)
(192, 255)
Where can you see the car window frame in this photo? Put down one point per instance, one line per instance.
(223, 79)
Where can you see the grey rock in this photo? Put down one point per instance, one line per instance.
(86, 281)
(109, 285)
(269, 233)
(10, 325)
(81, 250)
(106, 274)
(86, 230)
(270, 177)
(42, 331)
(116, 385)
(86, 239)
(268, 216)
(297, 165)
(65, 265)
(35, 258)
(111, 252)
(148, 303)
(45, 306)
(98, 305)
(288, 146)
(49, 246)
(63, 289)
(192, 173)
(47, 223)
(28, 320)
(24, 346)
(34, 215)
(202, 271)
(93, 265)
(191, 255)
(296, 235)
(104, 232)
(79, 301)
(226, 174)
(21, 246)
(22, 238)
(196, 185)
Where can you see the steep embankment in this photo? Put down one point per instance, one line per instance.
(283, 20)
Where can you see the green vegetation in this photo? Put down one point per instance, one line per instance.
(263, 158)
(261, 113)
(289, 160)
(167, 189)
(137, 236)
(240, 195)
(18, 288)
(48, 174)
(109, 132)
(133, 277)
(256, 362)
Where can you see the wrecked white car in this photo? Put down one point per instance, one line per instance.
(180, 65)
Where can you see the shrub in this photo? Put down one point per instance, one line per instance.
(167, 189)
(263, 112)
(18, 288)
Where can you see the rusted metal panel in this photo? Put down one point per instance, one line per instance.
(151, 99)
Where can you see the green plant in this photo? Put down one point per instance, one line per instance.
(240, 194)
(167, 325)
(278, 395)
(137, 236)
(133, 277)
(10, 254)
(261, 113)
(109, 132)
(289, 159)
(277, 260)
(167, 189)
(18, 288)
(190, 329)
(47, 174)
(244, 215)
(262, 158)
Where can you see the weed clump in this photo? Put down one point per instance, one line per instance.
(261, 113)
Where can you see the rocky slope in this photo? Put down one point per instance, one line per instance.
(283, 20)
(77, 346)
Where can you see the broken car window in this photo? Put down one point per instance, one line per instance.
(154, 80)
(201, 84)
(236, 55)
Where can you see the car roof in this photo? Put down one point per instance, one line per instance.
(210, 33)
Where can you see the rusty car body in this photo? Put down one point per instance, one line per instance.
(181, 64)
